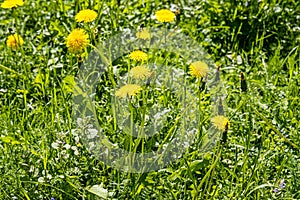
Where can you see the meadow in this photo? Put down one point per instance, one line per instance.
(216, 83)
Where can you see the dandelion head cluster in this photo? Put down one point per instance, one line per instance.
(143, 34)
(12, 3)
(140, 72)
(86, 15)
(77, 40)
(128, 90)
(220, 122)
(198, 69)
(138, 55)
(165, 15)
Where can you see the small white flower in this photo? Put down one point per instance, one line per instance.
(76, 170)
(41, 180)
(91, 146)
(49, 176)
(186, 145)
(239, 60)
(31, 169)
(79, 121)
(74, 131)
(67, 146)
(74, 148)
(54, 145)
(76, 153)
(66, 156)
(3, 90)
(76, 139)
(92, 133)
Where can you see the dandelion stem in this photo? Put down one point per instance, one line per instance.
(209, 171)
(10, 70)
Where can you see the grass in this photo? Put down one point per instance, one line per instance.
(256, 46)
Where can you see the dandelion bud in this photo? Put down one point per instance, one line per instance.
(217, 77)
(79, 58)
(224, 135)
(243, 83)
(220, 107)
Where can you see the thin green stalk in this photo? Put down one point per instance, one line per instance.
(2, 67)
(48, 185)
(209, 171)
(141, 131)
(210, 183)
(190, 173)
(271, 125)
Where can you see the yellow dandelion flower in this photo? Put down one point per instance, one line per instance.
(14, 41)
(140, 72)
(165, 15)
(128, 90)
(220, 122)
(143, 34)
(86, 15)
(12, 3)
(138, 55)
(198, 69)
(77, 40)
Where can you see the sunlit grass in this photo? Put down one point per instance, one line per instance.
(257, 157)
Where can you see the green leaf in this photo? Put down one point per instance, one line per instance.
(42, 79)
(99, 191)
(6, 139)
(69, 83)
(9, 139)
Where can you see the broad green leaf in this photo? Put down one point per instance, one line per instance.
(99, 191)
